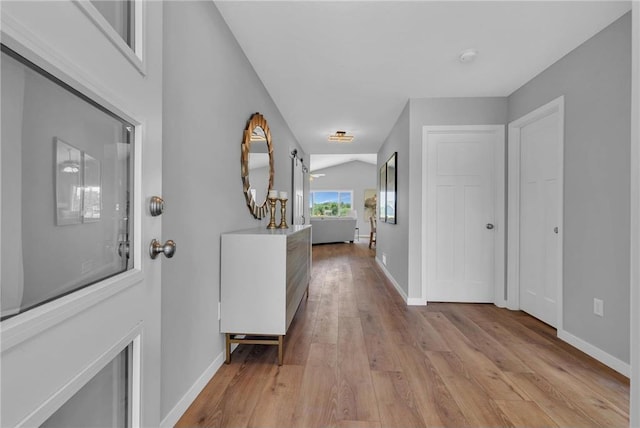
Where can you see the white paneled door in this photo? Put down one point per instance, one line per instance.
(538, 139)
(81, 157)
(464, 168)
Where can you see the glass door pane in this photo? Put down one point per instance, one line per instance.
(66, 188)
(105, 401)
(120, 14)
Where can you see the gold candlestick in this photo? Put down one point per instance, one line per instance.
(283, 214)
(272, 210)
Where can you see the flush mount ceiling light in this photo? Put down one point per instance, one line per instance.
(468, 55)
(341, 137)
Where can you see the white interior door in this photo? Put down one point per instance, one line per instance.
(539, 218)
(463, 220)
(81, 122)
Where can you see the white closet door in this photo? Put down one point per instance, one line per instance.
(539, 218)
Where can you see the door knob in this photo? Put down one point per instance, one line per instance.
(489, 226)
(168, 249)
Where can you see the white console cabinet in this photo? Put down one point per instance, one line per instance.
(265, 274)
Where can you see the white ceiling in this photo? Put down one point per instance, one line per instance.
(322, 161)
(352, 65)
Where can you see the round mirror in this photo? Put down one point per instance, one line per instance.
(257, 165)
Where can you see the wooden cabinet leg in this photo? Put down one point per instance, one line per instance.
(227, 347)
(280, 342)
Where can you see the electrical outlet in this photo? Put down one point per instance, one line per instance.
(598, 307)
(384, 259)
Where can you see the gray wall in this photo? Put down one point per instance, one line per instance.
(356, 176)
(210, 91)
(392, 239)
(595, 80)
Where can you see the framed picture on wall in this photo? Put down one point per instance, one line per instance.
(382, 192)
(370, 203)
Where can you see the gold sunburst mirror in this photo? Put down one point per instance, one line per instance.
(257, 165)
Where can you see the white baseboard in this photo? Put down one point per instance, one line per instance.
(416, 301)
(595, 352)
(178, 410)
(392, 280)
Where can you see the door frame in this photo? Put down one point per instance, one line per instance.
(555, 106)
(634, 411)
(499, 203)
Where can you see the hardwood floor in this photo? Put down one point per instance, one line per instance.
(357, 356)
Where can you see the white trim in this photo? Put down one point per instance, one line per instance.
(513, 245)
(499, 203)
(416, 301)
(136, 382)
(183, 404)
(394, 283)
(23, 41)
(634, 411)
(33, 322)
(61, 396)
(595, 352)
(135, 56)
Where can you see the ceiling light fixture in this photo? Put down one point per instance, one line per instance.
(341, 137)
(468, 55)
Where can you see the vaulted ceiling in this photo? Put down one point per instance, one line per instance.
(352, 65)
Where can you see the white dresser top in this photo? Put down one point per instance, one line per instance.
(262, 230)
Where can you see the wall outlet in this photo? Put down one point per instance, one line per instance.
(384, 259)
(598, 307)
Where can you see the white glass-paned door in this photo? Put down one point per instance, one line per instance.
(66, 189)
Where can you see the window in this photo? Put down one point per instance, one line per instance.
(331, 203)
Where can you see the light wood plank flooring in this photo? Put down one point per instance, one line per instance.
(357, 356)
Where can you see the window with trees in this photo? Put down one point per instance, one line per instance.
(331, 203)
